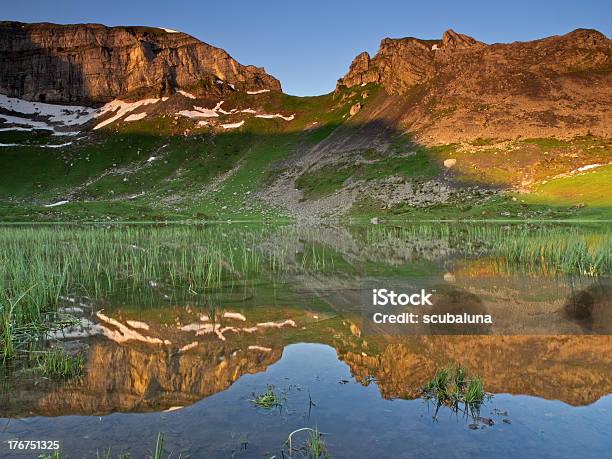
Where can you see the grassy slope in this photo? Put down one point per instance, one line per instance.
(592, 187)
(543, 164)
(205, 175)
(201, 175)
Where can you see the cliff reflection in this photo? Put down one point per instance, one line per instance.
(139, 377)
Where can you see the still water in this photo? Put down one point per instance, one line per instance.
(182, 327)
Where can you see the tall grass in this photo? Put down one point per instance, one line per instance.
(59, 364)
(452, 386)
(541, 250)
(39, 264)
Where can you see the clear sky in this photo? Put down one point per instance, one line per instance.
(309, 44)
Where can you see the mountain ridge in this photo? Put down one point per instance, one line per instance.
(446, 128)
(463, 89)
(89, 64)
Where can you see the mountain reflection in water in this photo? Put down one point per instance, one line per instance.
(159, 339)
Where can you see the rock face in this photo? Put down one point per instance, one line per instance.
(355, 109)
(458, 88)
(89, 64)
(402, 63)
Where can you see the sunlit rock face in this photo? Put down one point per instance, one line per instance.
(457, 88)
(89, 64)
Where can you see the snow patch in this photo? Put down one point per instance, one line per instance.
(83, 329)
(26, 122)
(67, 115)
(193, 327)
(261, 91)
(234, 315)
(135, 117)
(189, 346)
(232, 125)
(16, 128)
(201, 112)
(58, 145)
(169, 30)
(186, 94)
(123, 333)
(587, 167)
(260, 348)
(276, 115)
(58, 203)
(137, 324)
(264, 325)
(121, 108)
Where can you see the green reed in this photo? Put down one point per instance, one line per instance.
(40, 264)
(539, 250)
(452, 386)
(58, 364)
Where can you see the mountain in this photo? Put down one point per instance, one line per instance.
(167, 127)
(87, 64)
(460, 89)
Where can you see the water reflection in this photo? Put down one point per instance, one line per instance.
(176, 320)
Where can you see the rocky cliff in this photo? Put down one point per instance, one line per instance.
(458, 88)
(90, 64)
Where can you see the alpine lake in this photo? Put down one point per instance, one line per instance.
(255, 341)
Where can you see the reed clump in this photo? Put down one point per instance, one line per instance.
(452, 387)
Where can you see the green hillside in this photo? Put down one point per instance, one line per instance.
(167, 167)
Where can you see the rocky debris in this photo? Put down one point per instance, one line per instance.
(355, 109)
(396, 190)
(89, 64)
(458, 89)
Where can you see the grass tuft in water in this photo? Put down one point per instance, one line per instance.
(267, 399)
(452, 386)
(58, 364)
(313, 448)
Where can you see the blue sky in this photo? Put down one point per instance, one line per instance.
(308, 45)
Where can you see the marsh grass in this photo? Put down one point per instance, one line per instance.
(183, 263)
(157, 453)
(267, 399)
(53, 455)
(41, 265)
(313, 448)
(539, 250)
(58, 364)
(453, 388)
(23, 325)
